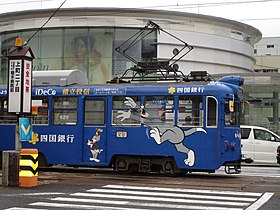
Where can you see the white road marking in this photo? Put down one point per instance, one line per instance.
(161, 199)
(260, 201)
(76, 206)
(183, 190)
(36, 194)
(176, 195)
(89, 201)
(121, 197)
(138, 204)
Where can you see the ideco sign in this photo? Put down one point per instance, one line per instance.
(42, 92)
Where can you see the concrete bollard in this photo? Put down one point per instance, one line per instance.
(10, 168)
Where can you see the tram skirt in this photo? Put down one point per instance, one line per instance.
(28, 168)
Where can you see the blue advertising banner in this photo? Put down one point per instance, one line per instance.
(25, 129)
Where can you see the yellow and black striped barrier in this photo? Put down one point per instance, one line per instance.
(28, 168)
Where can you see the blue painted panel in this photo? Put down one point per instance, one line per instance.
(25, 129)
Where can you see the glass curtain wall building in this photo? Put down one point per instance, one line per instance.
(89, 49)
(86, 38)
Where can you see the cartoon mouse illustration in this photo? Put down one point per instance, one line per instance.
(94, 147)
(162, 133)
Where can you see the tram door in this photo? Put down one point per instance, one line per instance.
(95, 130)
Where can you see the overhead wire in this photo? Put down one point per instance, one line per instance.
(216, 4)
(176, 6)
(45, 22)
(211, 4)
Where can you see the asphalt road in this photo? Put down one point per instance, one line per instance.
(256, 188)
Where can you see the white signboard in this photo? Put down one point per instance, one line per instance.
(27, 89)
(14, 89)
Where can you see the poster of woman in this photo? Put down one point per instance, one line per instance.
(83, 54)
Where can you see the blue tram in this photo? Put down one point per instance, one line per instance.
(168, 128)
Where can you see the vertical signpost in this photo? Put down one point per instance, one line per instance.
(19, 84)
(19, 103)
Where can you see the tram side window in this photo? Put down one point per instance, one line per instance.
(94, 112)
(40, 111)
(211, 111)
(65, 110)
(126, 110)
(159, 109)
(5, 117)
(190, 111)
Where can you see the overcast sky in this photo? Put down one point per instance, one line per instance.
(261, 14)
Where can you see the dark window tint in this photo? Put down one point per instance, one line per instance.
(245, 132)
(190, 111)
(5, 117)
(160, 109)
(232, 118)
(211, 111)
(263, 135)
(40, 111)
(65, 110)
(94, 112)
(126, 110)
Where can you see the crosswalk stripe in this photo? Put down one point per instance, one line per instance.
(176, 195)
(160, 199)
(38, 194)
(76, 206)
(138, 204)
(260, 201)
(183, 190)
(89, 201)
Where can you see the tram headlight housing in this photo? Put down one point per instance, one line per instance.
(234, 80)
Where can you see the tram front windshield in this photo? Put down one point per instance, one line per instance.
(232, 117)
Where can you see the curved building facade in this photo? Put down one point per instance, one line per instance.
(86, 38)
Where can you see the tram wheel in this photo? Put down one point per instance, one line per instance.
(42, 161)
(121, 165)
(132, 168)
(169, 167)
